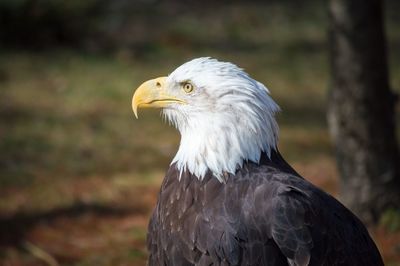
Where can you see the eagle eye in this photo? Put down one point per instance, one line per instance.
(187, 87)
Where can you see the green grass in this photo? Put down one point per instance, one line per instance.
(70, 115)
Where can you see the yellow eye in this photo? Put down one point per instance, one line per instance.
(187, 87)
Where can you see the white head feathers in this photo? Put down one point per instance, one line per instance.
(229, 118)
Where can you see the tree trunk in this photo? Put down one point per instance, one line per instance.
(361, 113)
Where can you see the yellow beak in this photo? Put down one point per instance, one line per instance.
(153, 94)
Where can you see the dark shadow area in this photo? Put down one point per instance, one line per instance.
(100, 25)
(14, 228)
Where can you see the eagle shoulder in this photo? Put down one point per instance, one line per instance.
(282, 203)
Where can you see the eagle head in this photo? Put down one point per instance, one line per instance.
(224, 116)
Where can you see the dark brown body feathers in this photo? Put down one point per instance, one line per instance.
(265, 214)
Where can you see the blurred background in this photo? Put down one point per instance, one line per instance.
(79, 176)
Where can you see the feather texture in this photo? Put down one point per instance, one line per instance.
(229, 118)
(266, 214)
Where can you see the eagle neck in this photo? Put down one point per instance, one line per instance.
(221, 145)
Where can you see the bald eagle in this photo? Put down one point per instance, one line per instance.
(228, 197)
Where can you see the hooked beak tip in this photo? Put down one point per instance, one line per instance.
(135, 110)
